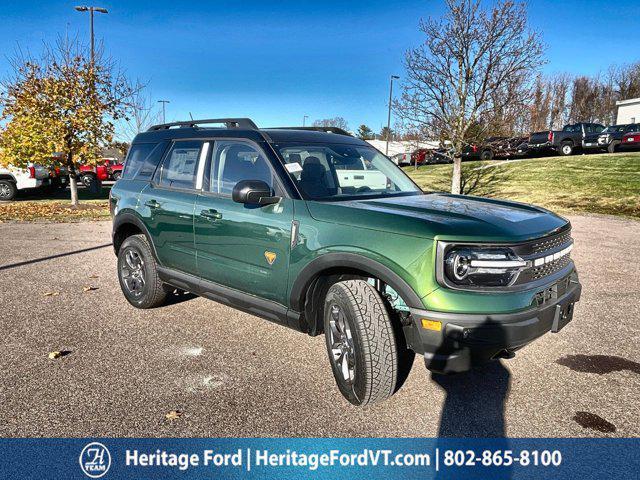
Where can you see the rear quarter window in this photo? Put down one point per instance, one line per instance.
(142, 160)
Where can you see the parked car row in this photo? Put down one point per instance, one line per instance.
(37, 177)
(584, 137)
(573, 138)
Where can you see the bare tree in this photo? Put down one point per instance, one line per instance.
(584, 96)
(473, 62)
(141, 116)
(338, 122)
(559, 90)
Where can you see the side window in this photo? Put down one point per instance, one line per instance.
(142, 160)
(180, 165)
(233, 161)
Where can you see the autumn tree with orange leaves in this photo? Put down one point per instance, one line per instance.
(62, 108)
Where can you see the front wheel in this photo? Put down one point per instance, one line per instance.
(486, 155)
(360, 342)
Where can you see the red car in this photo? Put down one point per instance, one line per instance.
(630, 140)
(422, 156)
(107, 169)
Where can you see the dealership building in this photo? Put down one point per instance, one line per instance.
(628, 111)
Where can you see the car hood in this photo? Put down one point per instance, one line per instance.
(443, 216)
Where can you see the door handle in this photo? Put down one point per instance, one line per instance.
(152, 204)
(211, 214)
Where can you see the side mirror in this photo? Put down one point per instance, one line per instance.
(253, 192)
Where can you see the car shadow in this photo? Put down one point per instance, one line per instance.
(474, 403)
(178, 296)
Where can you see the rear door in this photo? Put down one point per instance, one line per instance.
(167, 205)
(245, 247)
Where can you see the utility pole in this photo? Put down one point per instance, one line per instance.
(84, 8)
(393, 77)
(304, 120)
(163, 102)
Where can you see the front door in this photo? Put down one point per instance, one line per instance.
(243, 247)
(167, 206)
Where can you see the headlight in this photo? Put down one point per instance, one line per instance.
(482, 267)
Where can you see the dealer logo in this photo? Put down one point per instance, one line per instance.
(95, 460)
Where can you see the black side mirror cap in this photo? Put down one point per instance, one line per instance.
(253, 192)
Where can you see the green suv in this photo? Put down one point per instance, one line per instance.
(318, 231)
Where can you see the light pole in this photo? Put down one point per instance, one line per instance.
(163, 102)
(393, 77)
(304, 120)
(91, 10)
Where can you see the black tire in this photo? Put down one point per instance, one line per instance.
(486, 155)
(613, 146)
(566, 149)
(153, 292)
(354, 310)
(87, 179)
(8, 190)
(116, 176)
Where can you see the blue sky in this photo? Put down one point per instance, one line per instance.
(277, 61)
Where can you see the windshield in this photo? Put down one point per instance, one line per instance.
(341, 172)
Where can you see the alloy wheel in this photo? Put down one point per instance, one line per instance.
(342, 348)
(5, 191)
(132, 272)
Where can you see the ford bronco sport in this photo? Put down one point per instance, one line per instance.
(295, 225)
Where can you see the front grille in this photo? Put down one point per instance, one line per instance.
(543, 247)
(551, 243)
(549, 268)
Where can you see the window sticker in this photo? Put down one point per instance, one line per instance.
(293, 167)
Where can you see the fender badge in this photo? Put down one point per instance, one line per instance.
(270, 256)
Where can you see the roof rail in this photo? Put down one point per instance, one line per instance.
(336, 130)
(228, 122)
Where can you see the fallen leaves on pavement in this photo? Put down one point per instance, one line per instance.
(57, 354)
(89, 288)
(51, 294)
(173, 415)
(54, 211)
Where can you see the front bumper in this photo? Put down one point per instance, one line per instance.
(466, 340)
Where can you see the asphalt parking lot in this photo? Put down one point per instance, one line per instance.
(232, 374)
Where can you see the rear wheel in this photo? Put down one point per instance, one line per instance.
(613, 146)
(87, 180)
(8, 190)
(566, 149)
(361, 343)
(138, 274)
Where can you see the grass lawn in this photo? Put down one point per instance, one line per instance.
(602, 183)
(56, 207)
(597, 183)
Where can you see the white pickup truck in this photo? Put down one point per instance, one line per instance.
(13, 179)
